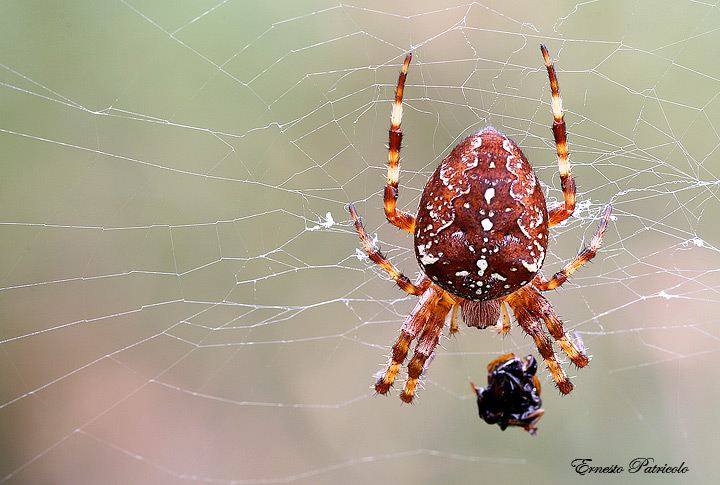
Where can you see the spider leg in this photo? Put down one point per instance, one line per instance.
(524, 304)
(545, 311)
(427, 342)
(505, 326)
(414, 323)
(586, 255)
(567, 182)
(377, 257)
(401, 219)
(454, 318)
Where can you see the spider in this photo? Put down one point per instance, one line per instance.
(480, 238)
(512, 396)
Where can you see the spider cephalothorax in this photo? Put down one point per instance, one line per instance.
(480, 235)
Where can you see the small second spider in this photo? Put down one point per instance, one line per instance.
(480, 238)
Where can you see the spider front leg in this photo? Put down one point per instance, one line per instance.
(401, 219)
(586, 255)
(567, 182)
(377, 257)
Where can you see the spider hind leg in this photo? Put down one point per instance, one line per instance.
(427, 342)
(413, 325)
(428, 320)
(531, 309)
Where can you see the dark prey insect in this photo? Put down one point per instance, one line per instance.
(512, 396)
(480, 237)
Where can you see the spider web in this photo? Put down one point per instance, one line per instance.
(184, 298)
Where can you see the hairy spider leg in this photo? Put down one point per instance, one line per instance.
(428, 340)
(567, 182)
(555, 327)
(586, 255)
(413, 325)
(454, 319)
(401, 219)
(505, 327)
(525, 305)
(377, 257)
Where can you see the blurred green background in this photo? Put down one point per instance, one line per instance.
(183, 297)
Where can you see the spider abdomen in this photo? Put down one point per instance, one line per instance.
(482, 225)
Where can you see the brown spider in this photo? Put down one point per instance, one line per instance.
(480, 238)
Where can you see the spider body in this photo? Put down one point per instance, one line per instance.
(482, 223)
(480, 237)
